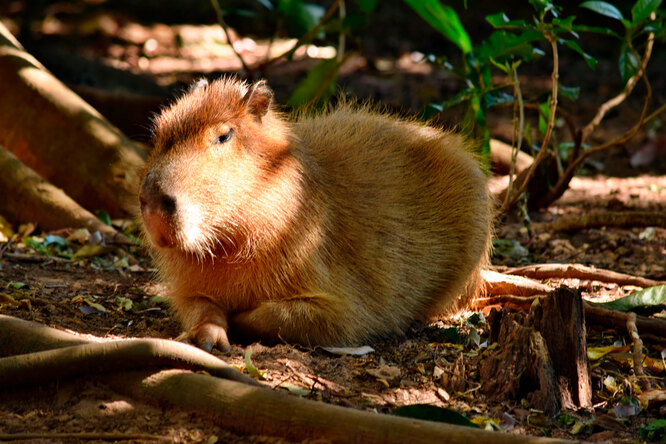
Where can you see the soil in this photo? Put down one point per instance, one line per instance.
(114, 293)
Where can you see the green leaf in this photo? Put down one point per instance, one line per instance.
(444, 19)
(497, 98)
(124, 304)
(655, 431)
(367, 6)
(502, 44)
(628, 63)
(501, 20)
(591, 61)
(103, 216)
(642, 298)
(643, 8)
(566, 23)
(544, 113)
(595, 29)
(603, 8)
(564, 149)
(318, 85)
(300, 16)
(570, 92)
(433, 413)
(543, 6)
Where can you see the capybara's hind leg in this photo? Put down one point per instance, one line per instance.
(311, 318)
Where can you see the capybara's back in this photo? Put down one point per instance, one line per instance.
(331, 229)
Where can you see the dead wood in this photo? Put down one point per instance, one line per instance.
(259, 411)
(521, 366)
(541, 356)
(560, 319)
(578, 271)
(599, 315)
(33, 367)
(66, 141)
(27, 197)
(637, 352)
(600, 219)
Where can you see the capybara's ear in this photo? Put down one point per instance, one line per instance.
(197, 85)
(258, 99)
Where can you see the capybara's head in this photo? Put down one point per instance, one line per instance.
(213, 177)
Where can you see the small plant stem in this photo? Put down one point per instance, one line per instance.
(342, 38)
(549, 128)
(518, 129)
(637, 352)
(220, 19)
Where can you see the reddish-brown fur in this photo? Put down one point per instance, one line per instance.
(331, 229)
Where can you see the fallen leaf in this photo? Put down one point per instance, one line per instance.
(651, 398)
(251, 369)
(390, 374)
(354, 351)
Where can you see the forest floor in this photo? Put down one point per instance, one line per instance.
(114, 293)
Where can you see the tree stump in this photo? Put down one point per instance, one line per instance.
(541, 357)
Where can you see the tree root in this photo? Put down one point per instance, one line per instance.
(254, 410)
(75, 147)
(244, 408)
(81, 436)
(28, 197)
(577, 271)
(600, 219)
(107, 356)
(506, 284)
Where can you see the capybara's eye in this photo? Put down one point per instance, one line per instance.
(224, 137)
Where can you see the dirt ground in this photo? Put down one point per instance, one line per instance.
(114, 293)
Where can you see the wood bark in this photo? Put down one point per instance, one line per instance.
(521, 366)
(61, 137)
(560, 319)
(27, 197)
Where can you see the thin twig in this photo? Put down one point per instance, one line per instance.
(342, 38)
(308, 36)
(555, 75)
(637, 352)
(628, 88)
(631, 83)
(220, 19)
(518, 128)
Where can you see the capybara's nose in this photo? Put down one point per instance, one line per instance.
(153, 197)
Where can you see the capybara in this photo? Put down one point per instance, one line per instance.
(330, 228)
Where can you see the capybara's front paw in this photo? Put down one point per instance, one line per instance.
(207, 335)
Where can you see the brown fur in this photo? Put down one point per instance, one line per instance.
(331, 229)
